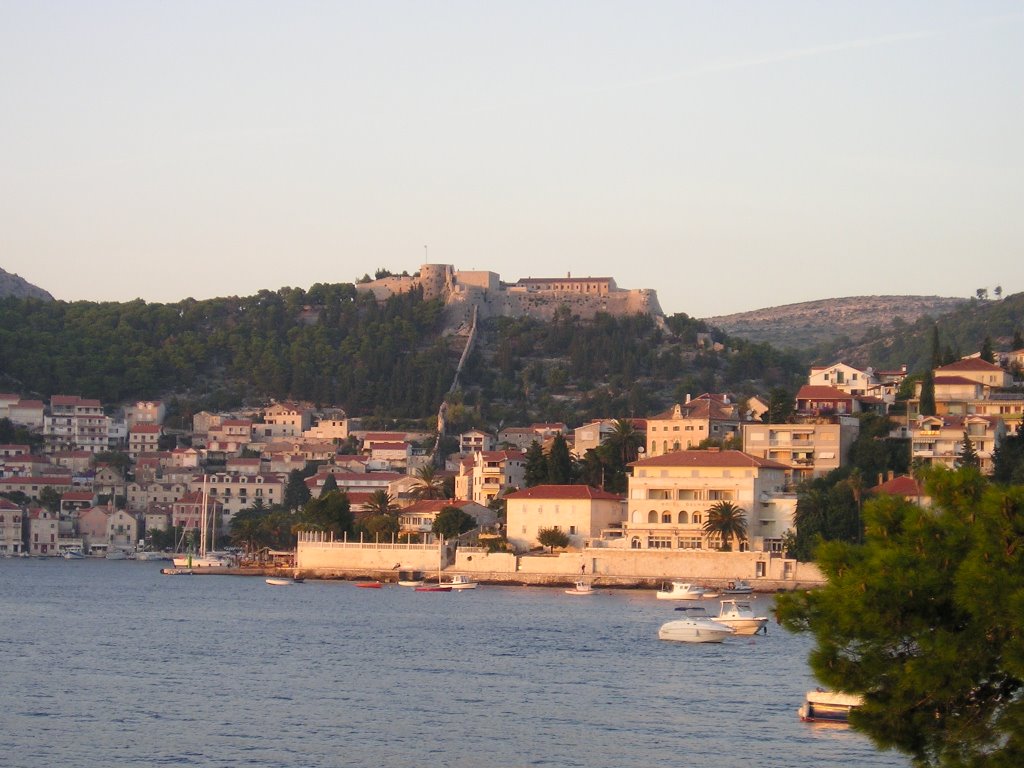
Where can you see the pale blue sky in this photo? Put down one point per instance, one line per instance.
(731, 155)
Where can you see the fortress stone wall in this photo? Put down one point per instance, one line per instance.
(529, 297)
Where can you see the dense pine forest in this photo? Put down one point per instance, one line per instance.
(327, 345)
(330, 345)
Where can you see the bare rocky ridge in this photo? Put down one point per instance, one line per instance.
(805, 325)
(19, 287)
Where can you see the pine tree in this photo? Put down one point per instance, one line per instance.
(969, 456)
(986, 350)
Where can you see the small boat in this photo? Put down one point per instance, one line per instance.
(73, 554)
(738, 587)
(739, 615)
(581, 588)
(434, 588)
(177, 571)
(696, 627)
(369, 584)
(821, 706)
(681, 590)
(279, 582)
(461, 581)
(410, 578)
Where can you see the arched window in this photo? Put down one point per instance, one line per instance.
(696, 518)
(664, 446)
(635, 543)
(666, 517)
(637, 516)
(683, 518)
(652, 516)
(675, 446)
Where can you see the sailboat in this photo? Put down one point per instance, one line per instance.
(439, 587)
(204, 558)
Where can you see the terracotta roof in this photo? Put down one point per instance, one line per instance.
(36, 404)
(40, 480)
(821, 392)
(435, 505)
(708, 459)
(77, 496)
(64, 400)
(565, 492)
(7, 504)
(390, 446)
(970, 364)
(904, 485)
(950, 380)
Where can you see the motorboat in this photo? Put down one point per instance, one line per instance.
(821, 706)
(177, 571)
(434, 588)
(580, 588)
(73, 554)
(739, 615)
(695, 627)
(280, 582)
(410, 578)
(369, 584)
(681, 590)
(461, 581)
(738, 587)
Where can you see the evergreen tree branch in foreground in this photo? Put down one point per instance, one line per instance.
(926, 621)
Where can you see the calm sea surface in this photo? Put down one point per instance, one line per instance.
(112, 664)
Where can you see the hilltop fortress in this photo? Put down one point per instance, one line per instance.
(537, 297)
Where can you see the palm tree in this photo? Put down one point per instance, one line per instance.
(429, 483)
(380, 503)
(725, 522)
(625, 440)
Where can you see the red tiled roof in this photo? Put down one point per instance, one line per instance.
(970, 364)
(435, 505)
(77, 496)
(565, 492)
(950, 380)
(390, 446)
(41, 480)
(821, 392)
(904, 485)
(708, 459)
(36, 404)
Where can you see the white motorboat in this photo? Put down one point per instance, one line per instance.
(821, 706)
(461, 581)
(277, 582)
(149, 554)
(73, 554)
(695, 627)
(738, 587)
(209, 560)
(681, 590)
(581, 588)
(410, 578)
(739, 615)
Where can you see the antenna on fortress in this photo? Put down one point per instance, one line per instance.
(426, 259)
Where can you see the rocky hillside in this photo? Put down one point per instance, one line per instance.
(13, 285)
(812, 324)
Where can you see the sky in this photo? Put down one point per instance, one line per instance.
(730, 155)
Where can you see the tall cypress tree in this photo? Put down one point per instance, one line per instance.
(928, 394)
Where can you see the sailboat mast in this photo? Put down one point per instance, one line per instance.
(202, 522)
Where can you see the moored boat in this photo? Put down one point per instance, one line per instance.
(461, 581)
(681, 590)
(369, 584)
(279, 582)
(177, 571)
(739, 615)
(434, 588)
(821, 706)
(695, 627)
(581, 588)
(738, 587)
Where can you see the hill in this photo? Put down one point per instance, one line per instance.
(960, 332)
(19, 287)
(813, 324)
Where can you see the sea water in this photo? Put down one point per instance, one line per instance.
(110, 663)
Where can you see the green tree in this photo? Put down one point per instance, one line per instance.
(380, 502)
(1008, 458)
(452, 521)
(986, 353)
(429, 483)
(49, 498)
(536, 470)
(330, 512)
(560, 467)
(924, 620)
(726, 522)
(968, 455)
(330, 484)
(296, 493)
(552, 537)
(928, 394)
(1018, 339)
(780, 406)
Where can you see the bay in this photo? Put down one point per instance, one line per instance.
(113, 664)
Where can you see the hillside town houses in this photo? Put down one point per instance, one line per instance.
(66, 492)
